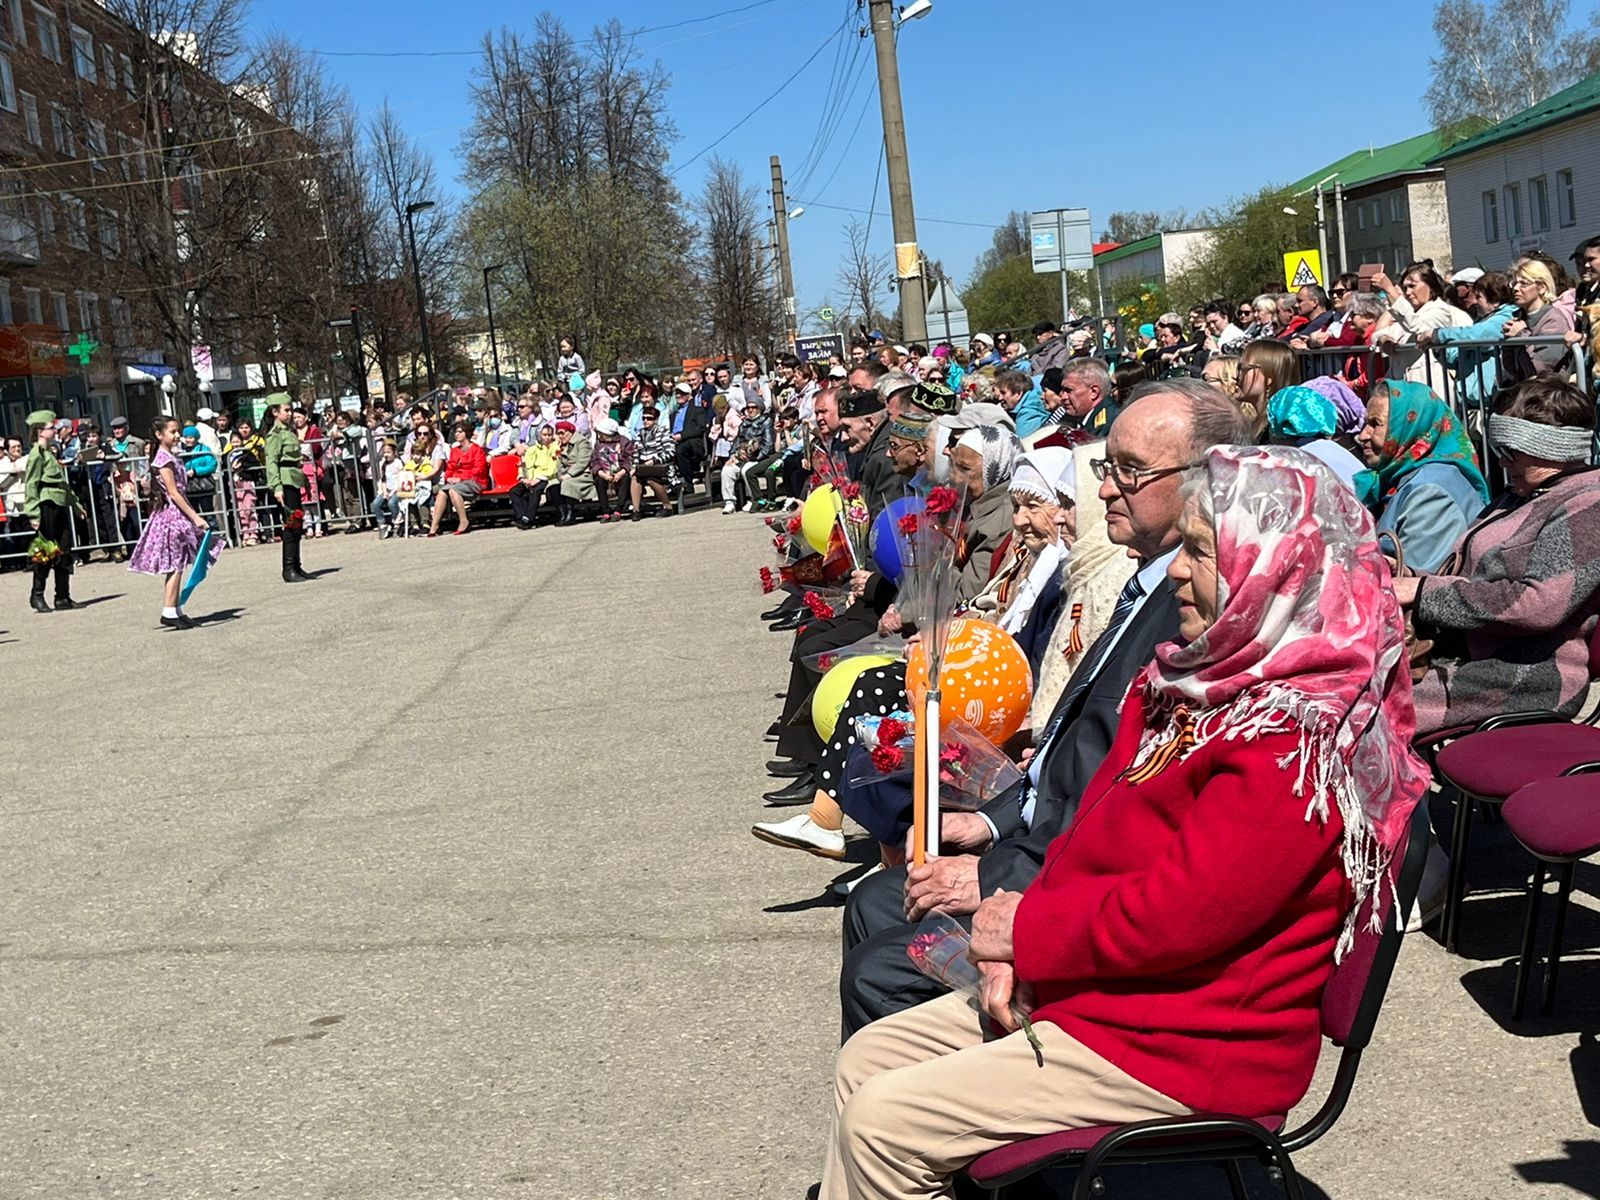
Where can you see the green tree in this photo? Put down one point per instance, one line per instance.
(1246, 254)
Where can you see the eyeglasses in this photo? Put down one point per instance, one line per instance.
(1130, 479)
(1338, 291)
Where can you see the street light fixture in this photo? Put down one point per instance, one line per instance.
(488, 300)
(915, 10)
(416, 275)
(797, 212)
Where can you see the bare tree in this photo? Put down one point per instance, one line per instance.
(863, 278)
(1496, 59)
(734, 276)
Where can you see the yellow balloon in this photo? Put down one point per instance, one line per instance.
(818, 518)
(828, 701)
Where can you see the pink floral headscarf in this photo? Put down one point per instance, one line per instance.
(1309, 637)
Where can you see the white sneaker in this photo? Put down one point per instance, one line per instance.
(802, 833)
(845, 886)
(749, 506)
(728, 507)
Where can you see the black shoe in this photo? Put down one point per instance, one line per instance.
(36, 602)
(638, 516)
(301, 577)
(772, 614)
(786, 768)
(801, 791)
(791, 621)
(178, 622)
(63, 603)
(292, 576)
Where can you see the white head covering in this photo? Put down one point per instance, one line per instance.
(1046, 474)
(607, 426)
(999, 448)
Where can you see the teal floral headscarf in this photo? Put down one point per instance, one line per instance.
(1300, 414)
(1422, 430)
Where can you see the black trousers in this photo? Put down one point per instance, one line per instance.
(691, 460)
(797, 737)
(292, 527)
(525, 500)
(614, 497)
(55, 523)
(877, 977)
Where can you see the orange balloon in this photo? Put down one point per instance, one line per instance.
(985, 679)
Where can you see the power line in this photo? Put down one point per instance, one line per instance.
(771, 96)
(872, 212)
(841, 84)
(726, 12)
(835, 121)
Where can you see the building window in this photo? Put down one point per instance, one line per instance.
(1566, 199)
(89, 312)
(1491, 217)
(1361, 216)
(1377, 214)
(98, 149)
(1394, 210)
(1513, 210)
(1539, 204)
(35, 302)
(18, 35)
(75, 218)
(121, 322)
(83, 55)
(47, 221)
(44, 21)
(58, 301)
(110, 233)
(61, 132)
(30, 118)
(5, 301)
(8, 90)
(108, 66)
(125, 156)
(127, 74)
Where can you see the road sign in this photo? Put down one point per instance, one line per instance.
(1302, 268)
(817, 347)
(824, 314)
(1058, 230)
(83, 349)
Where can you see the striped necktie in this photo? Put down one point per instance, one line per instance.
(1085, 675)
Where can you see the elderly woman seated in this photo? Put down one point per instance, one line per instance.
(1511, 614)
(574, 479)
(1423, 484)
(1301, 416)
(1173, 951)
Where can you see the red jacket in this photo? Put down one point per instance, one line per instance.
(1183, 928)
(468, 462)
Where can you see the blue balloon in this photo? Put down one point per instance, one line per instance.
(885, 538)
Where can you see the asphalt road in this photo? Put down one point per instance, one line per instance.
(433, 879)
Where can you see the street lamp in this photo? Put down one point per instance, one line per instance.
(488, 300)
(416, 275)
(797, 212)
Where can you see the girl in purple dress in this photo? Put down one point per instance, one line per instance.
(171, 537)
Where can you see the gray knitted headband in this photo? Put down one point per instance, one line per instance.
(1554, 443)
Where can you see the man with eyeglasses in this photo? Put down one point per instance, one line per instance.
(1165, 429)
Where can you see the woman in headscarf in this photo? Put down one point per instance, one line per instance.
(1512, 611)
(1352, 411)
(1034, 562)
(1299, 416)
(981, 461)
(1422, 482)
(1096, 572)
(1177, 942)
(612, 467)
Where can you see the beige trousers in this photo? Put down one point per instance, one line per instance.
(921, 1094)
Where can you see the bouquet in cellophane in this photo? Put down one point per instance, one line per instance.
(799, 568)
(940, 949)
(930, 544)
(972, 769)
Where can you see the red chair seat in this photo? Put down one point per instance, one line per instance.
(1035, 1151)
(503, 470)
(1557, 818)
(1497, 763)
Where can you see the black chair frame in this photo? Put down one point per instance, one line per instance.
(1563, 874)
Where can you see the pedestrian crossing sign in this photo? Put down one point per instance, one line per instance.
(1302, 268)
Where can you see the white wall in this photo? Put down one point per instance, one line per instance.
(1183, 247)
(1573, 146)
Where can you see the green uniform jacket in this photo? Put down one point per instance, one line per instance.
(44, 478)
(283, 459)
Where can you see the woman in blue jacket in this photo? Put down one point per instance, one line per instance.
(1474, 367)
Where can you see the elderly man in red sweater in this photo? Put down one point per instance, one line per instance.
(1173, 951)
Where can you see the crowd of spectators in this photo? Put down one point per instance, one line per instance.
(1263, 534)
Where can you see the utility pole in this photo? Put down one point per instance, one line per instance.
(416, 276)
(494, 350)
(780, 209)
(907, 258)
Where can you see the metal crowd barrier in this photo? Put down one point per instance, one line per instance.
(1468, 387)
(238, 504)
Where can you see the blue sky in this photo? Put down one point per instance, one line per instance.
(1025, 104)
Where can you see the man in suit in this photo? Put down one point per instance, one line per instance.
(1167, 427)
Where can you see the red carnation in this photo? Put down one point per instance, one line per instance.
(794, 524)
(768, 581)
(908, 525)
(888, 758)
(891, 731)
(850, 490)
(942, 500)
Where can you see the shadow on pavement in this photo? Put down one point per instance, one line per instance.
(1579, 1170)
(218, 617)
(1161, 1182)
(98, 599)
(321, 571)
(1577, 985)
